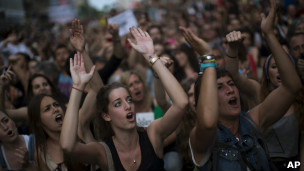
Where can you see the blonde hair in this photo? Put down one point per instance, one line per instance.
(124, 79)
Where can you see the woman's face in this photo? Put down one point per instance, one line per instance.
(158, 49)
(51, 115)
(181, 58)
(121, 109)
(8, 130)
(41, 86)
(228, 97)
(136, 88)
(273, 73)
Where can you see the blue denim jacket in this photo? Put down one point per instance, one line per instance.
(247, 153)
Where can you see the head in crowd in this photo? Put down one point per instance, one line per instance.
(8, 129)
(46, 116)
(219, 57)
(296, 45)
(271, 77)
(22, 60)
(49, 69)
(40, 84)
(137, 86)
(296, 26)
(31, 66)
(159, 48)
(186, 57)
(176, 69)
(155, 33)
(208, 32)
(112, 101)
(61, 55)
(229, 102)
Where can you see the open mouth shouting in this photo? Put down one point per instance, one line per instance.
(233, 102)
(59, 119)
(130, 117)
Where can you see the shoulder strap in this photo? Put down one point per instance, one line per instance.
(31, 147)
(109, 157)
(2, 161)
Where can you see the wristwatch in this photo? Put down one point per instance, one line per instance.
(153, 59)
(206, 59)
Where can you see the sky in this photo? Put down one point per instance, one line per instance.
(99, 4)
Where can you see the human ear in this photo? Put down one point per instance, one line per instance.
(106, 116)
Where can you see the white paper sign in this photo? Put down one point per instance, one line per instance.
(124, 20)
(144, 119)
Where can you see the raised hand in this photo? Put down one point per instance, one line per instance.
(7, 77)
(267, 23)
(21, 156)
(113, 29)
(144, 43)
(79, 75)
(234, 38)
(76, 36)
(198, 44)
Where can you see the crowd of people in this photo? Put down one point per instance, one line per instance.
(197, 85)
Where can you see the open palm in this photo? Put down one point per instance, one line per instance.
(267, 23)
(76, 35)
(144, 43)
(79, 75)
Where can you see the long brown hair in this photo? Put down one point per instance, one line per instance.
(102, 128)
(36, 126)
(188, 122)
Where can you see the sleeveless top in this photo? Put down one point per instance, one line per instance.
(283, 138)
(149, 160)
(228, 153)
(28, 145)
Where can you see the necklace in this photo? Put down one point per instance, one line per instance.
(133, 163)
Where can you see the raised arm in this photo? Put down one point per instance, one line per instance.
(198, 44)
(5, 80)
(248, 87)
(160, 93)
(163, 127)
(18, 115)
(204, 131)
(88, 109)
(118, 54)
(279, 100)
(93, 152)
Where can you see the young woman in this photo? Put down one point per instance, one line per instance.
(141, 97)
(222, 133)
(130, 149)
(16, 151)
(282, 137)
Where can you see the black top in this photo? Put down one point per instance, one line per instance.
(109, 68)
(149, 160)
